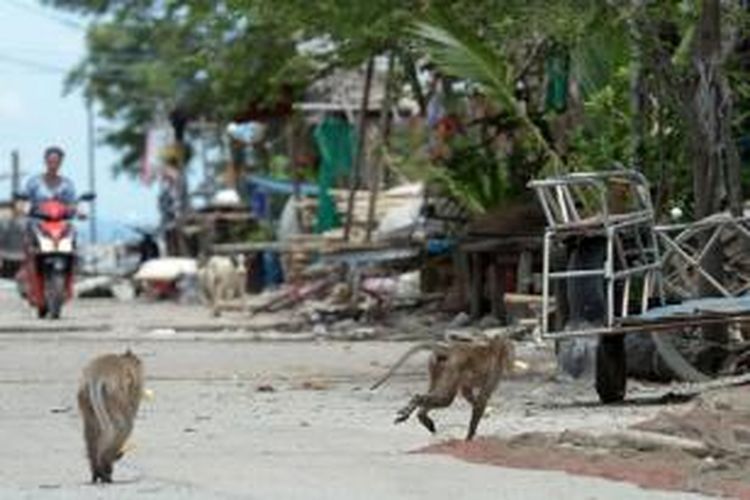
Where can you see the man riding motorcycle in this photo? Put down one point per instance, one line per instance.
(50, 185)
(46, 277)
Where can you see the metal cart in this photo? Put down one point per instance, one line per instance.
(613, 271)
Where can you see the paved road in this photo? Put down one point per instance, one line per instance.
(209, 434)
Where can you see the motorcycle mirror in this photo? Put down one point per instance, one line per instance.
(87, 197)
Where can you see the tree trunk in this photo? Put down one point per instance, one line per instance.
(714, 154)
(638, 101)
(704, 96)
(716, 165)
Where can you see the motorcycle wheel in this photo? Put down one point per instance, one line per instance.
(54, 293)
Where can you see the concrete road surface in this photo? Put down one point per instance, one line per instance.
(210, 434)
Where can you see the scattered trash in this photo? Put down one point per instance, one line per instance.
(319, 330)
(166, 269)
(98, 287)
(462, 319)
(163, 331)
(123, 290)
(314, 385)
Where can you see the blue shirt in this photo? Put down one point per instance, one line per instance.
(38, 190)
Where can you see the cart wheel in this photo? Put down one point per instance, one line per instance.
(584, 306)
(611, 365)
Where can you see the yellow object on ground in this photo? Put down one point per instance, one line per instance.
(148, 394)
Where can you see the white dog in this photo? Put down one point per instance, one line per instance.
(222, 279)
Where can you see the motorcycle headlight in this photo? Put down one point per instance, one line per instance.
(46, 244)
(65, 245)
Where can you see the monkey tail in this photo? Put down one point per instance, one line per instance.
(96, 391)
(424, 346)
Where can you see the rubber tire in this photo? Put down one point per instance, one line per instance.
(54, 293)
(611, 369)
(586, 300)
(584, 306)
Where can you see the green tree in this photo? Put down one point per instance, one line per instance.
(149, 57)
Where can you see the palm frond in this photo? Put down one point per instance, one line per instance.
(597, 57)
(461, 54)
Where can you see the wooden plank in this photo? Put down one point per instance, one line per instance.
(319, 245)
(523, 299)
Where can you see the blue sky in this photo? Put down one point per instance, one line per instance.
(34, 113)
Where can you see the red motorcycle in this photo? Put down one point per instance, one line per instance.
(46, 277)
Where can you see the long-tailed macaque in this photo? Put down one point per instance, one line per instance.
(473, 368)
(108, 399)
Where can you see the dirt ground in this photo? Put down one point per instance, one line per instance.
(701, 445)
(237, 418)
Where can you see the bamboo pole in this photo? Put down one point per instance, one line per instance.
(375, 177)
(354, 178)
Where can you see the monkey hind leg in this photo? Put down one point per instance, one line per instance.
(91, 436)
(103, 473)
(404, 413)
(91, 433)
(468, 394)
(477, 411)
(426, 421)
(426, 402)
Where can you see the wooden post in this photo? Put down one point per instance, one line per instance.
(375, 177)
(524, 273)
(497, 275)
(15, 174)
(291, 130)
(476, 284)
(354, 178)
(15, 182)
(91, 140)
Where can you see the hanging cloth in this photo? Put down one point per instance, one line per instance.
(558, 74)
(335, 140)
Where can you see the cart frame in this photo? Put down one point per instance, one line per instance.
(616, 205)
